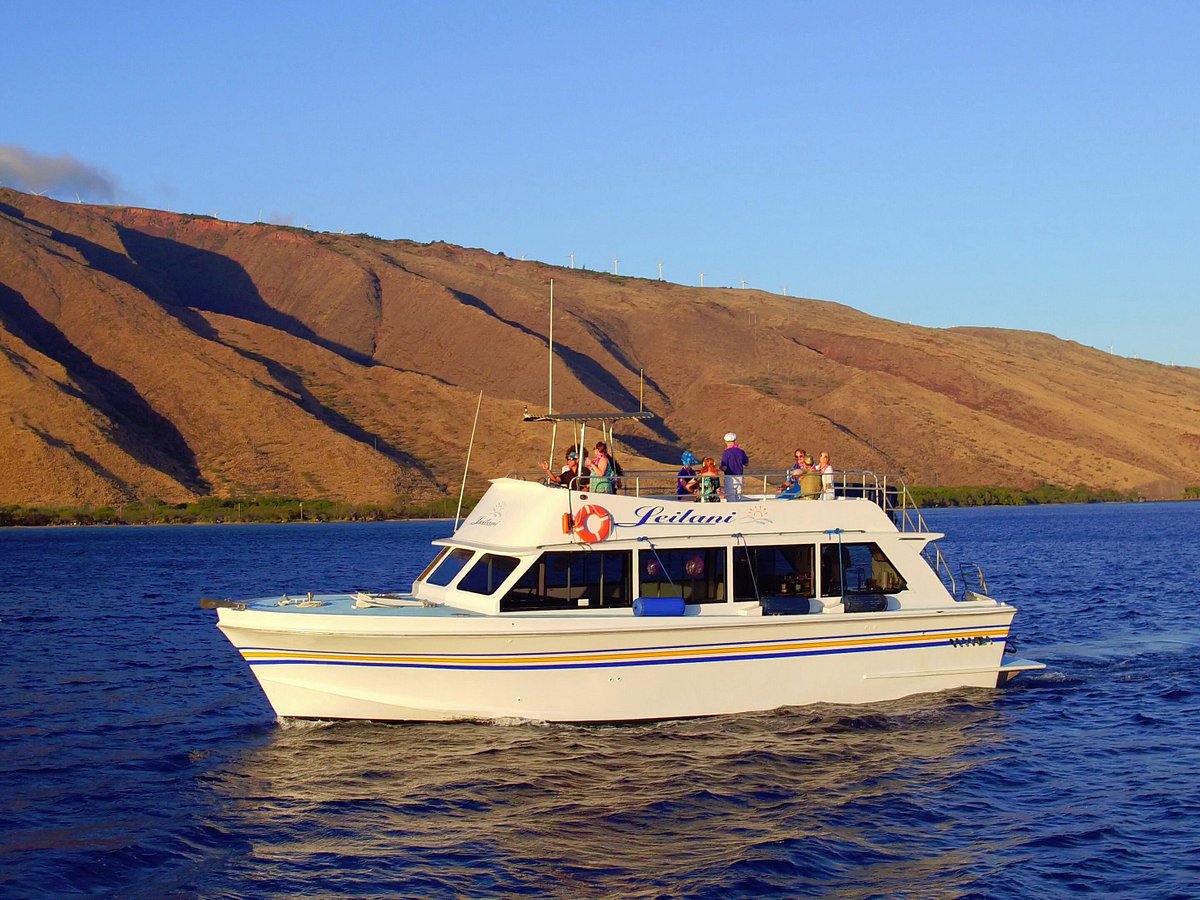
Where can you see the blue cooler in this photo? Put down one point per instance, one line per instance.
(659, 606)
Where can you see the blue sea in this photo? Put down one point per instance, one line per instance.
(138, 758)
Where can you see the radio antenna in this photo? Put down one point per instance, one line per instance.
(462, 490)
(550, 379)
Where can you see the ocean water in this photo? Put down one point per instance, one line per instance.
(138, 759)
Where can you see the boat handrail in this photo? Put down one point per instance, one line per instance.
(889, 491)
(973, 580)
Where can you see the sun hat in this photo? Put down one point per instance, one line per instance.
(730, 436)
(688, 458)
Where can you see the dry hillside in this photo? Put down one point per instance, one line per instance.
(145, 353)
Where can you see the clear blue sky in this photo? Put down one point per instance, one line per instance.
(1015, 164)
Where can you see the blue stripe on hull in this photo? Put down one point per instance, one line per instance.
(599, 664)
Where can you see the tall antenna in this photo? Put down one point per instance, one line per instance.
(550, 379)
(466, 467)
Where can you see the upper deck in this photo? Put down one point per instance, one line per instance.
(520, 512)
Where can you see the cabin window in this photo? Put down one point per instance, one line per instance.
(488, 573)
(773, 571)
(571, 580)
(858, 569)
(451, 564)
(696, 574)
(433, 563)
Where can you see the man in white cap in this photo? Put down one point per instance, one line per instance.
(733, 463)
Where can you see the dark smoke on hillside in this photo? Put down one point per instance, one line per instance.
(60, 176)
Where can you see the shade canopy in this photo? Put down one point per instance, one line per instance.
(587, 417)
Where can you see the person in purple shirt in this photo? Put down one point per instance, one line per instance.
(733, 463)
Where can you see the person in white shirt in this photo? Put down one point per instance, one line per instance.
(826, 470)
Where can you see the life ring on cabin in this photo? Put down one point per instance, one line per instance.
(583, 528)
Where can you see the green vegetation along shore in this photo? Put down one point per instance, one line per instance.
(217, 510)
(1003, 496)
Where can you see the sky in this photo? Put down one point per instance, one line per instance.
(1027, 165)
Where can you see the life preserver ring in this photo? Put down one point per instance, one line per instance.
(583, 528)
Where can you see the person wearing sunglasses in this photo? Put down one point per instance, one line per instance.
(570, 477)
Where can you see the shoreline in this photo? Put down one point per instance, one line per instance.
(20, 517)
(210, 511)
(206, 523)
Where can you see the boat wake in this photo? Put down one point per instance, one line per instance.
(1122, 646)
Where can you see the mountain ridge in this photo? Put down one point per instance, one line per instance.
(153, 354)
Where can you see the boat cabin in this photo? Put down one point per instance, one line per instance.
(532, 548)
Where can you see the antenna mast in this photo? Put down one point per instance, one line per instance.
(466, 467)
(550, 379)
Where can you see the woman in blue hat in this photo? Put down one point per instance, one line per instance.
(687, 475)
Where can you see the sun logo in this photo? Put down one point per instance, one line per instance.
(758, 514)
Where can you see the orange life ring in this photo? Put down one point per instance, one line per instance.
(582, 528)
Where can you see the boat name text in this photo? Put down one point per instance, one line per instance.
(653, 515)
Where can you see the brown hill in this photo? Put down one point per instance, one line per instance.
(151, 354)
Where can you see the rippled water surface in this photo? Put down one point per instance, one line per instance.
(138, 758)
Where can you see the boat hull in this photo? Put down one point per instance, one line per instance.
(613, 669)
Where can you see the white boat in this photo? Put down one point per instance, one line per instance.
(565, 605)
